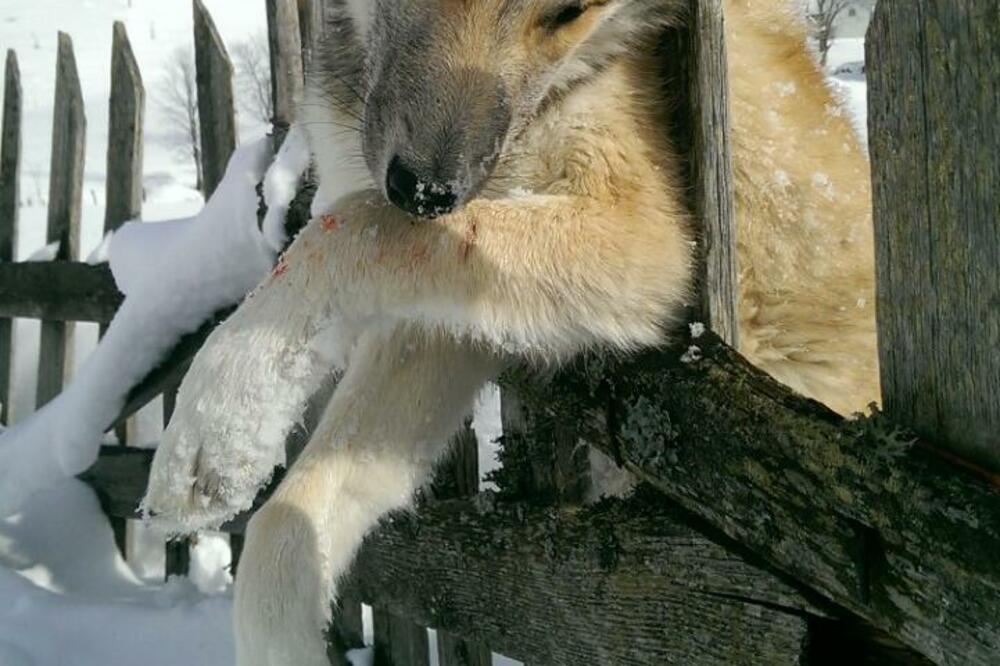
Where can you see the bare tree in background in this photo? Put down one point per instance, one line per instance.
(823, 15)
(252, 61)
(179, 102)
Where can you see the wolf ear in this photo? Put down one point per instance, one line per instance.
(624, 26)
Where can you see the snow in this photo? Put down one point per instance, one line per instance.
(66, 591)
(281, 184)
(200, 266)
(46, 253)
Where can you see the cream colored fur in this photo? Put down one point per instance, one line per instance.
(593, 250)
(807, 301)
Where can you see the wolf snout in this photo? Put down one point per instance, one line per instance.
(415, 195)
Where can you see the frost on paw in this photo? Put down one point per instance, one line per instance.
(201, 486)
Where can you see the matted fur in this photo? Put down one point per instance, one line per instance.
(571, 234)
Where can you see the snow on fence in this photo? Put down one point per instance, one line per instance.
(769, 530)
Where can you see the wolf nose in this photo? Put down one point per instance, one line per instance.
(418, 197)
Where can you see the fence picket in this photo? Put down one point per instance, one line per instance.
(69, 129)
(453, 651)
(347, 630)
(285, 42)
(935, 174)
(126, 115)
(698, 69)
(312, 25)
(10, 194)
(216, 101)
(399, 641)
(125, 146)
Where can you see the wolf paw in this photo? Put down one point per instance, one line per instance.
(200, 479)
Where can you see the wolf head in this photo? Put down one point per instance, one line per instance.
(439, 87)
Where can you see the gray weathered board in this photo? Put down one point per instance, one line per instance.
(69, 130)
(934, 73)
(216, 101)
(10, 195)
(285, 44)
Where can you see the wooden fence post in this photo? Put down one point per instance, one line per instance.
(399, 642)
(216, 101)
(934, 72)
(10, 200)
(458, 478)
(698, 72)
(312, 24)
(453, 651)
(126, 112)
(285, 42)
(125, 146)
(69, 128)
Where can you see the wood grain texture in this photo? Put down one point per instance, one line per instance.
(10, 201)
(312, 25)
(889, 531)
(626, 582)
(454, 651)
(287, 72)
(697, 71)
(399, 641)
(124, 186)
(216, 101)
(127, 109)
(458, 474)
(346, 631)
(934, 72)
(520, 579)
(59, 291)
(69, 130)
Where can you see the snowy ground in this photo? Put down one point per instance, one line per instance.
(65, 593)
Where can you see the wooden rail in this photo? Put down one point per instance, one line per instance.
(62, 291)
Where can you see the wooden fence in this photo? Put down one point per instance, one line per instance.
(768, 529)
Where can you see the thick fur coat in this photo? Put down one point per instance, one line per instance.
(536, 212)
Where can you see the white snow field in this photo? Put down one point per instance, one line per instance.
(66, 596)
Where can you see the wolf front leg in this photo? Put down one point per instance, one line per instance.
(543, 275)
(404, 394)
(244, 392)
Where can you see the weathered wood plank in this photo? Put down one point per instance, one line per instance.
(550, 465)
(346, 631)
(285, 42)
(69, 129)
(697, 67)
(178, 559)
(458, 474)
(216, 101)
(399, 641)
(625, 582)
(453, 651)
(891, 533)
(312, 25)
(10, 202)
(124, 187)
(58, 291)
(127, 109)
(934, 72)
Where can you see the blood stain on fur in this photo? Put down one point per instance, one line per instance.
(329, 223)
(469, 242)
(280, 268)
